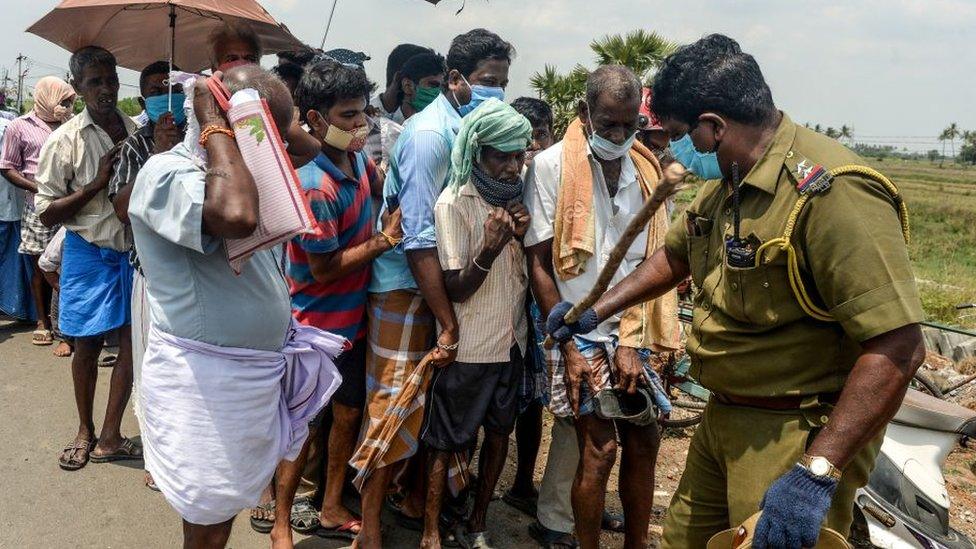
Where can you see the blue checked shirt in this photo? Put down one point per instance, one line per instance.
(419, 169)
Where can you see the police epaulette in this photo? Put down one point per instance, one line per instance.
(810, 178)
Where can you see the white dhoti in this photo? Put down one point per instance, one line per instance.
(217, 420)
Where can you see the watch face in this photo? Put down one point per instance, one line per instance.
(819, 467)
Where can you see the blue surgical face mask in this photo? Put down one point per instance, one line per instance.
(479, 94)
(704, 165)
(158, 105)
(606, 149)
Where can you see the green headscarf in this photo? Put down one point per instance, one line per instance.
(493, 123)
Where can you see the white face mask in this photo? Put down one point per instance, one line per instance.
(606, 149)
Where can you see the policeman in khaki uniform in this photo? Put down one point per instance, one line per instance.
(805, 322)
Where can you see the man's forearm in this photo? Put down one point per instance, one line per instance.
(64, 208)
(18, 180)
(872, 394)
(462, 284)
(121, 203)
(652, 279)
(426, 269)
(541, 277)
(348, 260)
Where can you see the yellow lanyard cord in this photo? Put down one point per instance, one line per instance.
(785, 241)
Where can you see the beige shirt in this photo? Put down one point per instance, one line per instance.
(68, 162)
(493, 318)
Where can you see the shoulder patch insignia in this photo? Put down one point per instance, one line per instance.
(811, 178)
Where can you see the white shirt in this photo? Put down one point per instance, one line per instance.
(396, 116)
(611, 216)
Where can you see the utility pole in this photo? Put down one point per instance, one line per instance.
(20, 83)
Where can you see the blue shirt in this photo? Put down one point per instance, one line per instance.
(191, 289)
(419, 170)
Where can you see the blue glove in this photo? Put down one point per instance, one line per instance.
(556, 325)
(793, 509)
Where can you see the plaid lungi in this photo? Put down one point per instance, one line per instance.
(400, 333)
(34, 236)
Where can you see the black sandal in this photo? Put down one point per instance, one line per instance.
(126, 451)
(261, 524)
(304, 517)
(612, 522)
(527, 505)
(551, 539)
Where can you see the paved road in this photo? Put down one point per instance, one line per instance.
(105, 506)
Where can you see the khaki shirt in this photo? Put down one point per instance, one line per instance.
(749, 336)
(68, 162)
(493, 318)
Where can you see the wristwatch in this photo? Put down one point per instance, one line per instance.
(821, 467)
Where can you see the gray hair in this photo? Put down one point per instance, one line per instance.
(269, 87)
(87, 57)
(231, 31)
(617, 80)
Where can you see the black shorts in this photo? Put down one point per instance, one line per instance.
(352, 367)
(464, 397)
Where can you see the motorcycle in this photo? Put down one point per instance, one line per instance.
(905, 503)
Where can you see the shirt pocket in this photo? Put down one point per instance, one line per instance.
(698, 259)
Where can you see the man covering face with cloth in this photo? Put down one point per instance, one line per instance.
(480, 221)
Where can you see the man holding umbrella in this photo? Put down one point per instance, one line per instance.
(73, 173)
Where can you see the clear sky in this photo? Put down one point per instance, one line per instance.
(886, 67)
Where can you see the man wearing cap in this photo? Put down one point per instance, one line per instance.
(806, 316)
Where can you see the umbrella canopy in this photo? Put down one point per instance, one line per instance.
(139, 33)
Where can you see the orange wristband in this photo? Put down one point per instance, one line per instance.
(212, 129)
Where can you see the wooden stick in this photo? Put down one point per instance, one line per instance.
(672, 182)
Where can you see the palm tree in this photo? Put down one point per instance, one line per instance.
(847, 132)
(817, 128)
(831, 132)
(639, 50)
(952, 132)
(943, 137)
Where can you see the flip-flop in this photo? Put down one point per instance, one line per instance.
(42, 338)
(73, 462)
(150, 482)
(126, 451)
(343, 531)
(261, 525)
(551, 539)
(304, 517)
(108, 360)
(527, 505)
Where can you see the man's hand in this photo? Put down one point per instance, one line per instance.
(576, 370)
(166, 134)
(205, 106)
(629, 369)
(793, 509)
(106, 165)
(559, 330)
(498, 231)
(520, 219)
(391, 224)
(442, 357)
(674, 180)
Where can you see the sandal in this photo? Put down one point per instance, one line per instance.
(150, 482)
(528, 505)
(304, 516)
(551, 539)
(42, 338)
(347, 531)
(260, 521)
(126, 451)
(77, 454)
(612, 522)
(107, 360)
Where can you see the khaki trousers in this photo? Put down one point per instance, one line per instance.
(735, 455)
(555, 509)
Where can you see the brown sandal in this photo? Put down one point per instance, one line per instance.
(77, 454)
(127, 450)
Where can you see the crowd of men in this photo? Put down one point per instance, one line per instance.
(404, 337)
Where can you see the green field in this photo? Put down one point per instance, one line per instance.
(942, 212)
(942, 208)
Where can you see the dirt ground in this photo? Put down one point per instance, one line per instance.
(106, 506)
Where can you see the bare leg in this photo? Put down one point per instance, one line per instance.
(213, 536)
(374, 490)
(598, 451)
(84, 374)
(118, 395)
(342, 443)
(41, 294)
(494, 450)
(637, 460)
(436, 482)
(285, 484)
(415, 479)
(528, 436)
